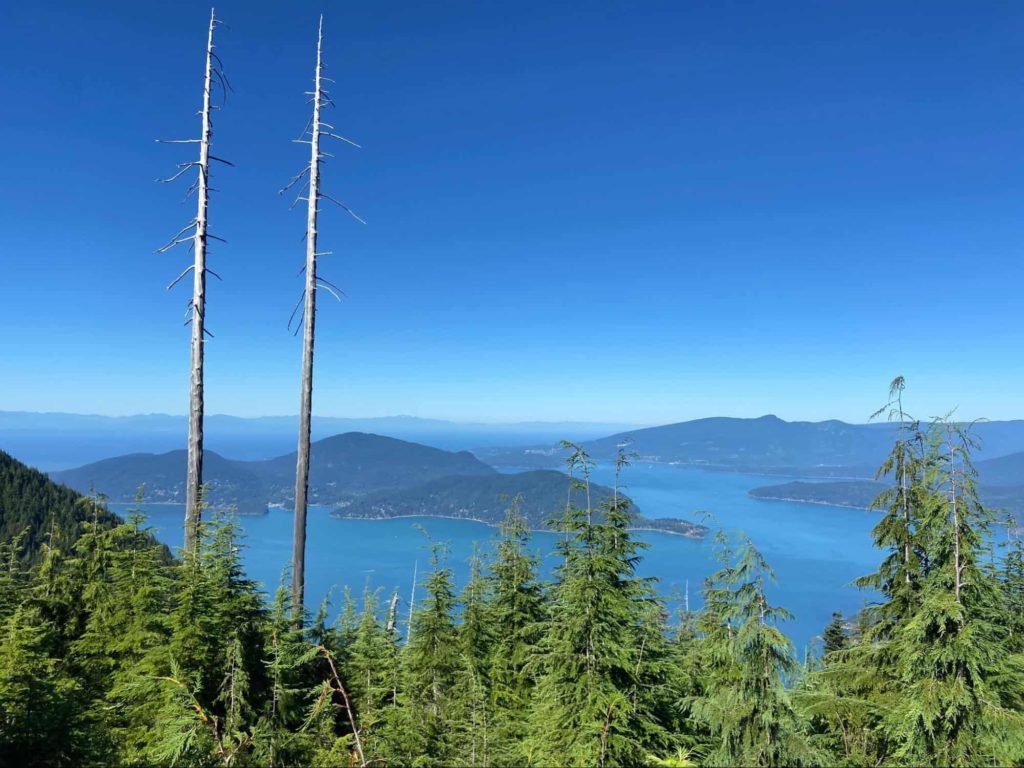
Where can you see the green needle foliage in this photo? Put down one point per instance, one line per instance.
(590, 662)
(936, 677)
(950, 656)
(902, 506)
(44, 719)
(430, 668)
(745, 705)
(517, 612)
(1013, 593)
(373, 677)
(834, 638)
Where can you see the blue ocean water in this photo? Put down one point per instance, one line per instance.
(816, 550)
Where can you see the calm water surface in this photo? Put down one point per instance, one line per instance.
(816, 551)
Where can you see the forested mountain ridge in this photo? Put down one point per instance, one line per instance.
(355, 463)
(362, 475)
(342, 466)
(163, 475)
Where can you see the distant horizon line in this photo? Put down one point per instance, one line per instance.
(332, 416)
(538, 422)
(325, 416)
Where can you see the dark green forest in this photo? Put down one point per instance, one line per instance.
(32, 508)
(114, 652)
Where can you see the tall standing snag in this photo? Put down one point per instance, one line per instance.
(195, 312)
(316, 128)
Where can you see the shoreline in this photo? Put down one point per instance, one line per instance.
(334, 512)
(810, 501)
(215, 508)
(727, 469)
(490, 524)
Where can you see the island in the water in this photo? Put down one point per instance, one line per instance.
(359, 475)
(861, 493)
(848, 493)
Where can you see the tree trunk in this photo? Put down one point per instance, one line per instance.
(308, 336)
(194, 481)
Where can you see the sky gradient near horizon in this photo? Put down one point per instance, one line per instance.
(638, 213)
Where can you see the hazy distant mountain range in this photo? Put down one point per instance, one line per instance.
(766, 445)
(372, 476)
(53, 441)
(359, 474)
(763, 445)
(846, 455)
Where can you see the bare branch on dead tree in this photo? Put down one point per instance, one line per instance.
(195, 309)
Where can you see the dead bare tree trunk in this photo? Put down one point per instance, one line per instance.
(308, 337)
(196, 309)
(195, 380)
(317, 129)
(412, 601)
(392, 612)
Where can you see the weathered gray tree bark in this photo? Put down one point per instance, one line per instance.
(392, 613)
(308, 338)
(194, 480)
(317, 129)
(196, 234)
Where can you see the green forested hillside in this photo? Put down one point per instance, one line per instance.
(361, 475)
(32, 507)
(356, 463)
(342, 467)
(163, 474)
(537, 493)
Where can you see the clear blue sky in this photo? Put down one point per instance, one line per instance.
(639, 212)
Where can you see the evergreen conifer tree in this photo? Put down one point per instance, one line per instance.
(124, 633)
(517, 611)
(284, 710)
(43, 719)
(430, 661)
(371, 672)
(212, 663)
(472, 716)
(14, 576)
(951, 665)
(1013, 592)
(745, 705)
(834, 638)
(899, 575)
(589, 666)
